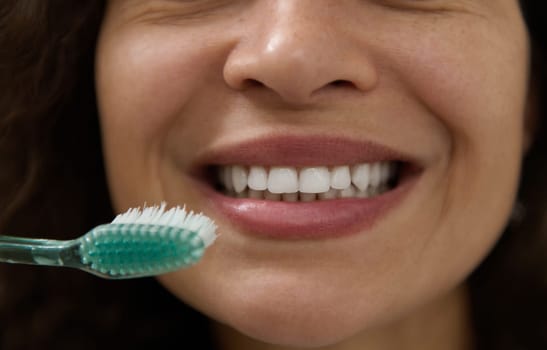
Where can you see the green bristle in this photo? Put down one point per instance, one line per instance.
(128, 249)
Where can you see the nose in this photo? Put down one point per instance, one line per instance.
(297, 49)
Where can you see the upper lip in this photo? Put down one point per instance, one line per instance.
(301, 151)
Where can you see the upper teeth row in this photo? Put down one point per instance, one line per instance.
(319, 179)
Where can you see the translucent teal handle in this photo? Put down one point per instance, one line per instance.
(18, 250)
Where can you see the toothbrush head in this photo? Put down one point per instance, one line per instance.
(147, 243)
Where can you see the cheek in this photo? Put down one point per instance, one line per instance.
(476, 86)
(475, 83)
(144, 81)
(148, 84)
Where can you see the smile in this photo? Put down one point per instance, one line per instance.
(308, 183)
(291, 197)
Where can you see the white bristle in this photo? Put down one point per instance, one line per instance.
(176, 217)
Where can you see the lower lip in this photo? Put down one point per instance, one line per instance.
(307, 220)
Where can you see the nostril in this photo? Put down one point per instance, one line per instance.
(342, 83)
(251, 83)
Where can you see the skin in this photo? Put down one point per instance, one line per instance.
(445, 81)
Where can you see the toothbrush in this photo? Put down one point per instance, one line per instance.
(137, 243)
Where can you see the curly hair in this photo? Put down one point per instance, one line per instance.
(52, 182)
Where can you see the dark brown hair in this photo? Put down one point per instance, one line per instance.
(52, 183)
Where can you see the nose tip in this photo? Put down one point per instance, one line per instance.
(295, 61)
(294, 75)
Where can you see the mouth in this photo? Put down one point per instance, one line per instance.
(289, 187)
(306, 184)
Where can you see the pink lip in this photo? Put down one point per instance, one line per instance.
(302, 151)
(306, 220)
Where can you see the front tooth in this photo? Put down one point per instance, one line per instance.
(360, 176)
(258, 178)
(340, 177)
(239, 178)
(283, 180)
(314, 180)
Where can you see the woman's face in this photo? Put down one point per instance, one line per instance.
(309, 91)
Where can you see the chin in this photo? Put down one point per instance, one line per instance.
(293, 324)
(284, 310)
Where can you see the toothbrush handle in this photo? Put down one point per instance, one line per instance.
(19, 250)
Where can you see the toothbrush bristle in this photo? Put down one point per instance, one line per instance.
(148, 242)
(176, 217)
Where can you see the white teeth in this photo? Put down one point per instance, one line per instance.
(340, 177)
(283, 180)
(360, 176)
(258, 178)
(308, 183)
(314, 180)
(239, 178)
